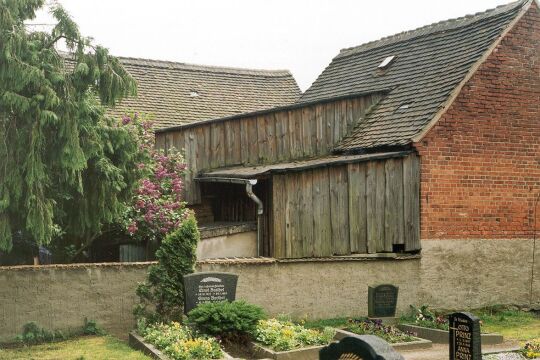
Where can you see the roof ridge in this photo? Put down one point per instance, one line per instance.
(432, 28)
(203, 68)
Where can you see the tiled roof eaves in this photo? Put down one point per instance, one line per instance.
(271, 110)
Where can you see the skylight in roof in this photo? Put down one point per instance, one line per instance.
(386, 62)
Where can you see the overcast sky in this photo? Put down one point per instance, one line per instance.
(299, 35)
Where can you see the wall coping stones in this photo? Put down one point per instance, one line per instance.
(141, 264)
(224, 229)
(218, 261)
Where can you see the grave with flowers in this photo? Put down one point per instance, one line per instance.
(434, 326)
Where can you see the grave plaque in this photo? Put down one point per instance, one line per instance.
(382, 301)
(208, 287)
(464, 337)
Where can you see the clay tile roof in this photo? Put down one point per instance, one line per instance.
(178, 93)
(429, 64)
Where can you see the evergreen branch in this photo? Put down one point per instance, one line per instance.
(75, 41)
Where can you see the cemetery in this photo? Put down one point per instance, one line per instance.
(389, 212)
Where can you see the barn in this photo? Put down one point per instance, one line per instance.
(421, 145)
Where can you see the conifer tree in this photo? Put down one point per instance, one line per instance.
(62, 160)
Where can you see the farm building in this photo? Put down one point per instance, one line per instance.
(422, 141)
(178, 93)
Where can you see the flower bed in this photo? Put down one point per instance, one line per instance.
(398, 339)
(180, 343)
(433, 326)
(426, 318)
(285, 335)
(531, 349)
(279, 340)
(388, 333)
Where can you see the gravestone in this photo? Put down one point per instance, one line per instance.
(382, 301)
(465, 340)
(360, 347)
(206, 287)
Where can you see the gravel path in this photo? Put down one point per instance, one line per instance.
(504, 356)
(440, 352)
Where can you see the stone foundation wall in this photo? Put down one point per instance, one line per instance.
(476, 273)
(450, 274)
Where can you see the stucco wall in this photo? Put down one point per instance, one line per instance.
(455, 274)
(318, 289)
(60, 297)
(242, 244)
(474, 273)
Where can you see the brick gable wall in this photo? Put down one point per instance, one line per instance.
(480, 169)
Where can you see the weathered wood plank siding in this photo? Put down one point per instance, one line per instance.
(366, 207)
(266, 138)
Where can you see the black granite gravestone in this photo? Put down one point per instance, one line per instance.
(465, 341)
(208, 287)
(382, 301)
(360, 347)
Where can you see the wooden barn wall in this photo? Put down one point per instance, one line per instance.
(273, 137)
(366, 207)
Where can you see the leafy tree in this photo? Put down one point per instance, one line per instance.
(157, 207)
(62, 160)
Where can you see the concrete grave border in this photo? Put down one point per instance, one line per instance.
(441, 336)
(305, 353)
(402, 346)
(137, 342)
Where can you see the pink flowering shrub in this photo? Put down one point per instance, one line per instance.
(157, 207)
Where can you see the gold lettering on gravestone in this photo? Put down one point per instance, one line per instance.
(463, 344)
(349, 356)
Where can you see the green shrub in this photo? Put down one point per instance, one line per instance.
(226, 319)
(33, 334)
(283, 335)
(162, 295)
(90, 327)
(180, 343)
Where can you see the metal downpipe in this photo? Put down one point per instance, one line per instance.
(260, 210)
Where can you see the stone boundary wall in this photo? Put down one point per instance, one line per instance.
(450, 274)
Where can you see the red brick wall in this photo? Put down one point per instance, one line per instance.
(481, 161)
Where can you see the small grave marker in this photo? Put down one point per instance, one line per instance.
(465, 340)
(382, 301)
(360, 347)
(206, 287)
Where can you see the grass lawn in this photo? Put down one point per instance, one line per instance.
(320, 324)
(84, 348)
(512, 324)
